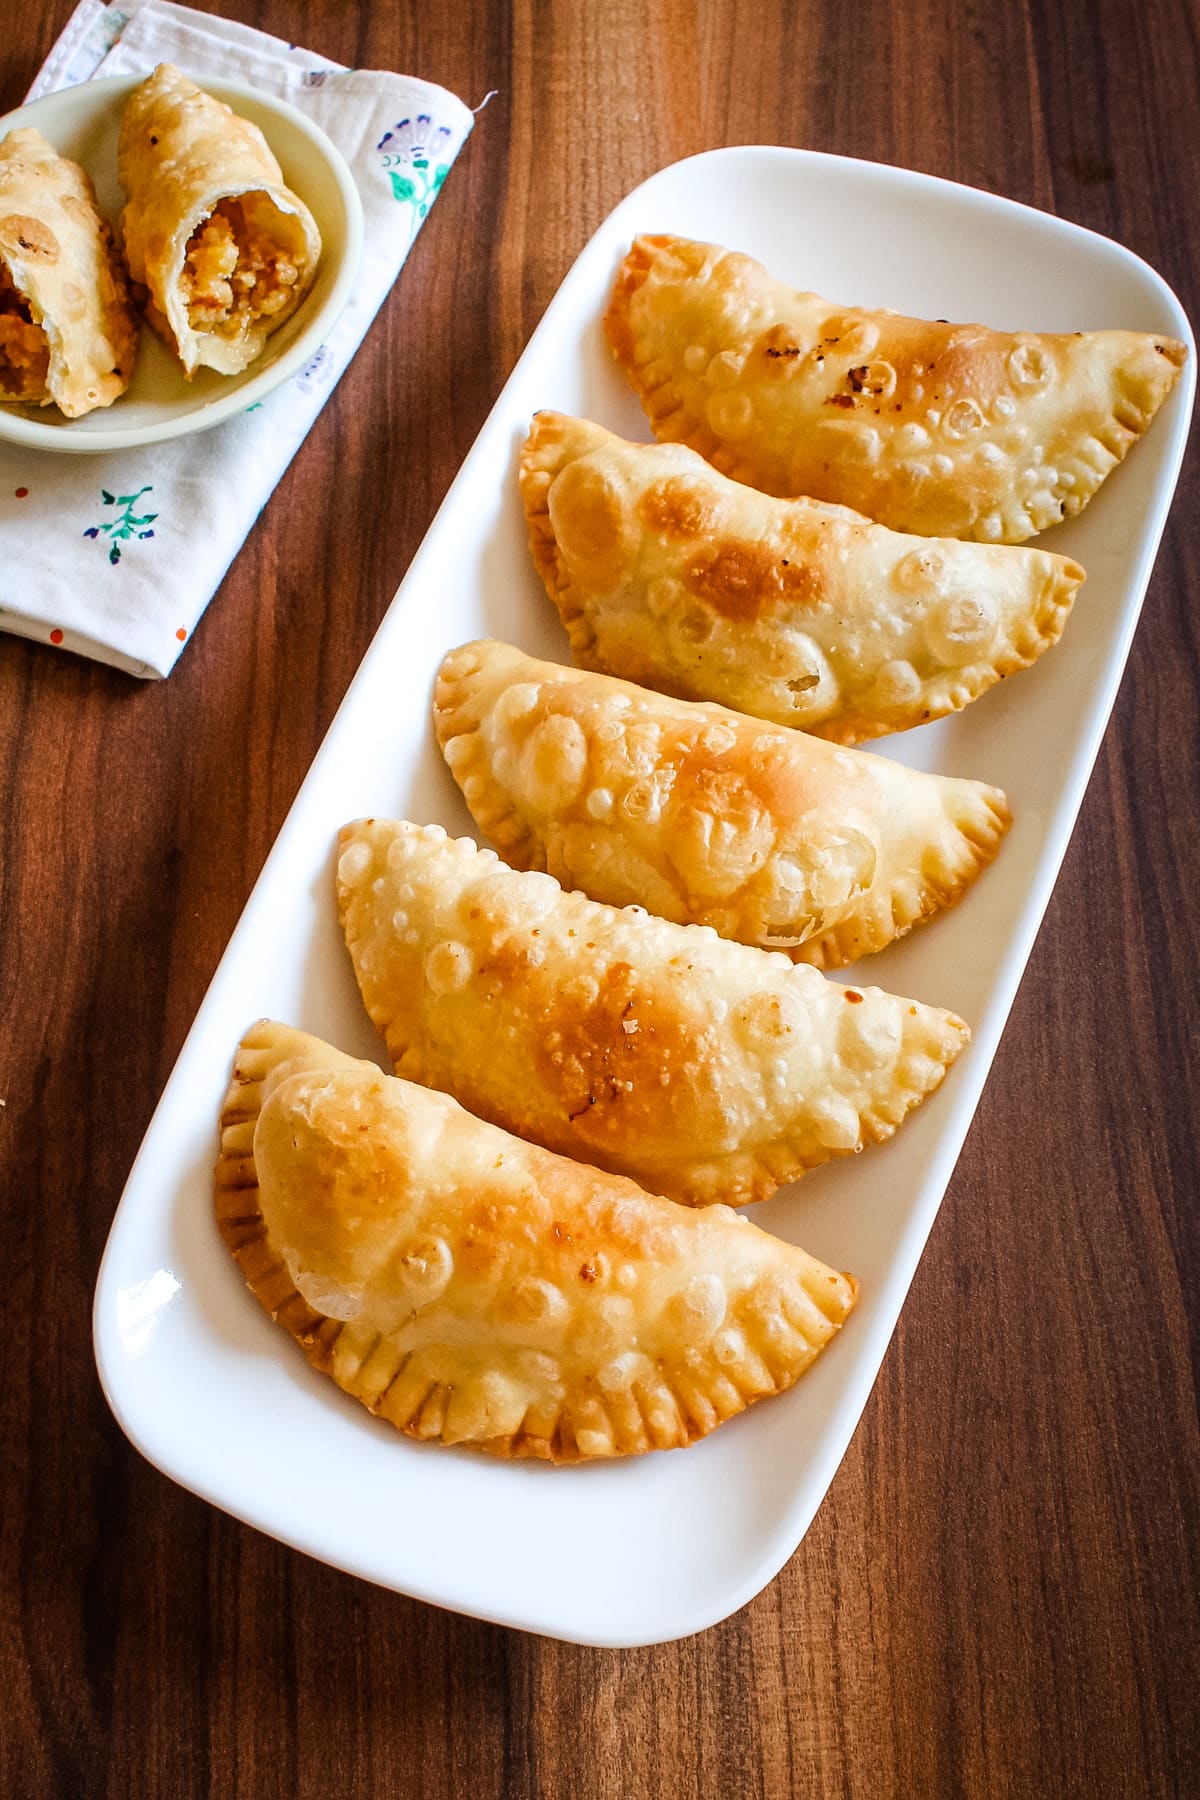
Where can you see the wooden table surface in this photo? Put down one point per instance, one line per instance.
(1000, 1594)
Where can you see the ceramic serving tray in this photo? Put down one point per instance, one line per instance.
(662, 1545)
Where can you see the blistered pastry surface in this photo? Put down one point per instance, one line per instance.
(667, 573)
(701, 815)
(931, 427)
(703, 1069)
(476, 1290)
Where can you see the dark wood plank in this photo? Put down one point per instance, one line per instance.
(999, 1596)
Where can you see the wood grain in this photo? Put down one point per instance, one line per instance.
(1000, 1595)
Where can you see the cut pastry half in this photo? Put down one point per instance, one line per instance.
(224, 247)
(703, 816)
(68, 333)
(703, 1069)
(668, 573)
(473, 1289)
(947, 430)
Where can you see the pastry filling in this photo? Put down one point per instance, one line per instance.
(237, 271)
(24, 351)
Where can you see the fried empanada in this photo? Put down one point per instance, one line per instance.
(474, 1289)
(68, 334)
(701, 815)
(702, 1069)
(666, 572)
(947, 430)
(225, 248)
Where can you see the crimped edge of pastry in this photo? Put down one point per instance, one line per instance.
(542, 460)
(366, 1366)
(456, 725)
(949, 869)
(539, 462)
(958, 689)
(239, 1218)
(654, 382)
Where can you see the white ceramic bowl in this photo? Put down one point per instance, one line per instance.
(84, 123)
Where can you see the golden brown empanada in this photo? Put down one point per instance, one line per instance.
(702, 1069)
(701, 815)
(668, 573)
(474, 1289)
(948, 430)
(225, 248)
(68, 334)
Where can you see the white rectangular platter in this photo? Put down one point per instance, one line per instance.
(663, 1545)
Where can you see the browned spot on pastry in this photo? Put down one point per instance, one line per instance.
(504, 966)
(944, 360)
(603, 1059)
(972, 363)
(853, 996)
(1173, 350)
(776, 353)
(676, 508)
(742, 579)
(720, 830)
(588, 519)
(28, 237)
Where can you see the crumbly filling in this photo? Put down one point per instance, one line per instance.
(24, 351)
(235, 273)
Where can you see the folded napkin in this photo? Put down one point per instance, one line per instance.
(116, 556)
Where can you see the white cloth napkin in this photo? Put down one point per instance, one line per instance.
(116, 556)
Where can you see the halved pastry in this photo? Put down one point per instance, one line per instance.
(474, 1289)
(666, 572)
(226, 250)
(704, 816)
(704, 1070)
(947, 430)
(68, 334)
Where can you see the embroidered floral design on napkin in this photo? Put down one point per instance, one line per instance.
(125, 523)
(412, 152)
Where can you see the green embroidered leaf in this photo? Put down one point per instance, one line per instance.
(107, 497)
(402, 188)
(146, 519)
(420, 162)
(422, 210)
(440, 174)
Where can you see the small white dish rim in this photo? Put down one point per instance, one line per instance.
(73, 109)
